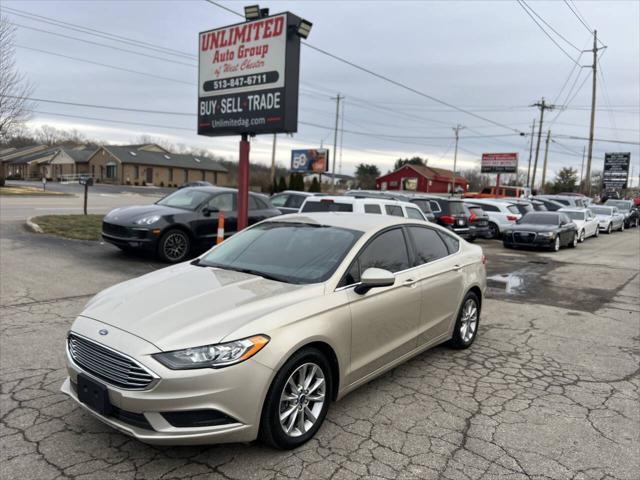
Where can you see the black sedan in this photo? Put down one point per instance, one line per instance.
(550, 230)
(183, 222)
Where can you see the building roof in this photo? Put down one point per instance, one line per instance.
(133, 154)
(79, 156)
(430, 173)
(11, 153)
(33, 156)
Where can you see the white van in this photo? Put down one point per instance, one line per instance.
(379, 206)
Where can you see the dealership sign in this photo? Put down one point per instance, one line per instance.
(310, 160)
(499, 163)
(248, 77)
(616, 170)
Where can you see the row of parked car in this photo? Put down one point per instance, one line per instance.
(185, 221)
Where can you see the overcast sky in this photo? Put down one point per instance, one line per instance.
(486, 57)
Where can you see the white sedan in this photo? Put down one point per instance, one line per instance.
(585, 220)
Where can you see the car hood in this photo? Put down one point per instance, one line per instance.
(124, 215)
(186, 305)
(530, 227)
(603, 218)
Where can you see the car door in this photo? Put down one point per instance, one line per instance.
(257, 210)
(384, 320)
(207, 229)
(591, 222)
(567, 229)
(441, 281)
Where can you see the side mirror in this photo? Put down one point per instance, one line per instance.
(207, 211)
(374, 277)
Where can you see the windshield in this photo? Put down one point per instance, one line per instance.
(621, 204)
(187, 199)
(456, 208)
(283, 251)
(575, 215)
(601, 210)
(540, 219)
(326, 206)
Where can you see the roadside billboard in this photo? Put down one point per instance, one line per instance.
(311, 160)
(616, 170)
(248, 77)
(499, 163)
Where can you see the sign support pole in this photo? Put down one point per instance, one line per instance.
(498, 184)
(243, 183)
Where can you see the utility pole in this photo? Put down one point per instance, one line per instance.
(542, 105)
(582, 167)
(456, 129)
(341, 138)
(544, 167)
(335, 143)
(533, 129)
(273, 160)
(593, 110)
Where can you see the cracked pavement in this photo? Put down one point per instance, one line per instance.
(548, 391)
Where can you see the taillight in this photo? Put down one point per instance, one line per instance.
(512, 218)
(472, 217)
(447, 219)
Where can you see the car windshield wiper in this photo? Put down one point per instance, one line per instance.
(250, 271)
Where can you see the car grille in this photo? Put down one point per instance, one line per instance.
(117, 230)
(524, 237)
(108, 365)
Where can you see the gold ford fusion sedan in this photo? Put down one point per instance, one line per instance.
(257, 336)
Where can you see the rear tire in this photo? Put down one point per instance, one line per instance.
(597, 234)
(494, 231)
(622, 227)
(466, 327)
(609, 229)
(174, 246)
(272, 431)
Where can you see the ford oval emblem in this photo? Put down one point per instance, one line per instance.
(103, 332)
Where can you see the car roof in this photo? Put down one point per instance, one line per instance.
(573, 209)
(297, 192)
(356, 200)
(214, 189)
(489, 201)
(363, 222)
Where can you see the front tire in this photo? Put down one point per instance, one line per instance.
(582, 236)
(622, 227)
(597, 234)
(556, 245)
(174, 246)
(609, 229)
(574, 243)
(297, 401)
(466, 327)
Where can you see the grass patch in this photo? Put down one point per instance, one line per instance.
(77, 227)
(29, 191)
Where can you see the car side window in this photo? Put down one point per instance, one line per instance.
(295, 201)
(279, 200)
(428, 245)
(253, 203)
(452, 243)
(423, 205)
(222, 202)
(372, 208)
(262, 204)
(394, 210)
(435, 206)
(489, 208)
(414, 213)
(388, 251)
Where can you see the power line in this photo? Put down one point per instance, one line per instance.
(552, 29)
(572, 137)
(546, 33)
(98, 33)
(103, 64)
(385, 78)
(147, 55)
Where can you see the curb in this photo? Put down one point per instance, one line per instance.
(34, 227)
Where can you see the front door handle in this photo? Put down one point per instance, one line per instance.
(409, 282)
(457, 268)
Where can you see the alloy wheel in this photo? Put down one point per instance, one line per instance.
(175, 246)
(469, 320)
(302, 399)
(597, 234)
(556, 245)
(575, 240)
(493, 230)
(582, 237)
(609, 229)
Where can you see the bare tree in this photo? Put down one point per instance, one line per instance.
(14, 88)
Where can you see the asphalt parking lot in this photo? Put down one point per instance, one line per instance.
(549, 390)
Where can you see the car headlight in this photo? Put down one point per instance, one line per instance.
(148, 220)
(213, 356)
(547, 234)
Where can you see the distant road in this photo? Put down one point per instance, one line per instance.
(96, 188)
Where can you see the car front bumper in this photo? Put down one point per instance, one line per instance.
(236, 392)
(129, 236)
(535, 241)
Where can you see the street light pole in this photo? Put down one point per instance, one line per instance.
(456, 129)
(335, 144)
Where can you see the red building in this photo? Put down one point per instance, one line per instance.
(421, 178)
